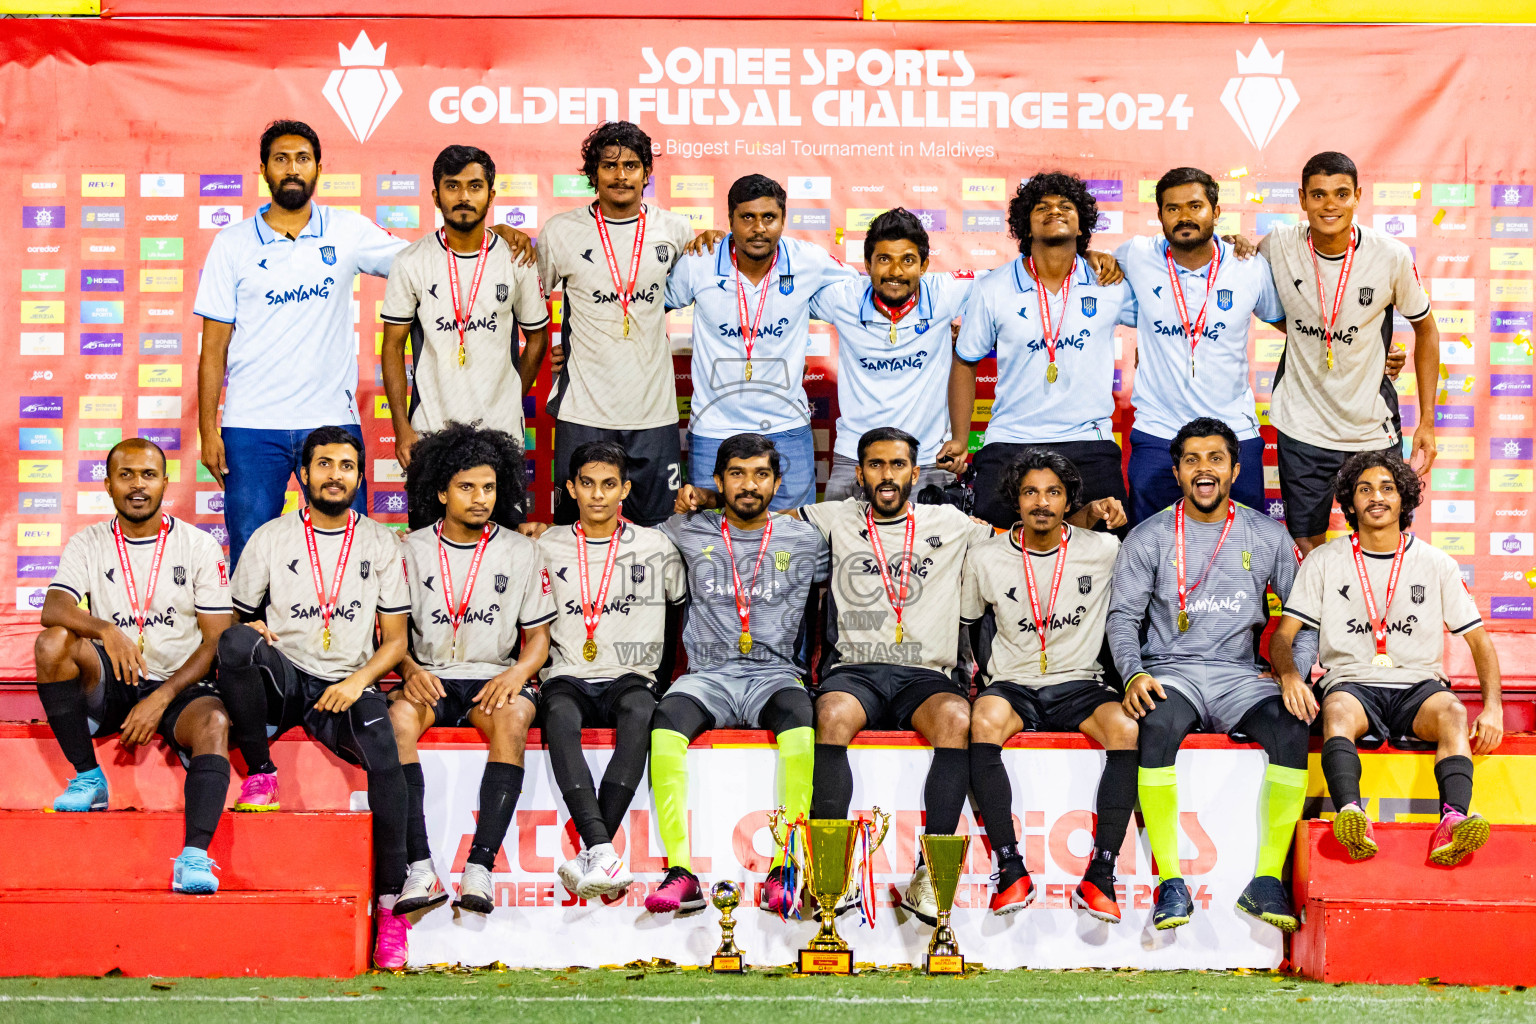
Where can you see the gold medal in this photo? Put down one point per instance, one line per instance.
(325, 638)
(1183, 621)
(1330, 359)
(626, 325)
(589, 650)
(141, 643)
(893, 334)
(749, 369)
(1043, 662)
(744, 645)
(1050, 373)
(461, 355)
(1382, 661)
(899, 632)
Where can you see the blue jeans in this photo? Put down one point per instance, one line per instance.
(1153, 486)
(260, 463)
(797, 465)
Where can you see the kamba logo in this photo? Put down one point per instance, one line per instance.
(362, 90)
(1258, 99)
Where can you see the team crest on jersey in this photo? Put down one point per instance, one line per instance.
(1224, 298)
(786, 284)
(223, 573)
(364, 568)
(637, 574)
(1365, 296)
(781, 561)
(1085, 584)
(1090, 305)
(1417, 593)
(328, 254)
(501, 293)
(934, 542)
(179, 574)
(661, 254)
(501, 583)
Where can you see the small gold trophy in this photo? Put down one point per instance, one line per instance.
(945, 857)
(825, 858)
(728, 959)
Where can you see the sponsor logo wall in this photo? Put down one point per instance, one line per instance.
(112, 221)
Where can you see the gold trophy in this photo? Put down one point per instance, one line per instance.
(945, 857)
(728, 959)
(825, 858)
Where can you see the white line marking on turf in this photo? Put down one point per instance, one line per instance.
(1407, 999)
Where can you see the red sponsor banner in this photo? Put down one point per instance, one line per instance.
(147, 132)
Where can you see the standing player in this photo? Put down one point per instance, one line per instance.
(611, 260)
(315, 584)
(480, 612)
(605, 656)
(1055, 356)
(140, 659)
(1043, 672)
(461, 301)
(751, 330)
(1382, 657)
(1187, 609)
(1340, 282)
(744, 628)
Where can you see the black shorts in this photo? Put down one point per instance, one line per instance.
(890, 694)
(291, 696)
(1063, 707)
(1390, 710)
(108, 706)
(597, 700)
(1306, 484)
(453, 710)
(1097, 461)
(655, 469)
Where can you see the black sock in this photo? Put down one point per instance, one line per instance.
(1341, 769)
(64, 704)
(244, 694)
(416, 845)
(203, 794)
(1117, 798)
(949, 779)
(499, 789)
(1454, 777)
(994, 797)
(831, 782)
(387, 801)
(613, 800)
(586, 815)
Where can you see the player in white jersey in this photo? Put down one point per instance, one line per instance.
(459, 301)
(139, 658)
(606, 654)
(312, 588)
(1378, 599)
(1042, 668)
(480, 613)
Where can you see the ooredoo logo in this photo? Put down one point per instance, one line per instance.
(362, 90)
(1258, 99)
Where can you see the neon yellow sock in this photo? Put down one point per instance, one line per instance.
(669, 783)
(1159, 792)
(1286, 791)
(797, 759)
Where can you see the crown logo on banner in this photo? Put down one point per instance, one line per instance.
(362, 90)
(1258, 99)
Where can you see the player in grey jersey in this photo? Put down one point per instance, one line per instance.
(1188, 607)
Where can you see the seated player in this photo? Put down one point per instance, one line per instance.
(1187, 608)
(311, 586)
(140, 660)
(475, 645)
(1381, 656)
(1043, 671)
(603, 667)
(743, 630)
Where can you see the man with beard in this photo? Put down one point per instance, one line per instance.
(480, 613)
(751, 329)
(459, 301)
(140, 660)
(311, 590)
(749, 576)
(1187, 610)
(1382, 656)
(276, 301)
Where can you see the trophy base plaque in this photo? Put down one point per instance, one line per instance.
(726, 964)
(826, 961)
(944, 963)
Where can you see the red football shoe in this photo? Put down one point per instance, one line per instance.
(1098, 902)
(1013, 898)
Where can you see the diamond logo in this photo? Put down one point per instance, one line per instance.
(1258, 99)
(362, 90)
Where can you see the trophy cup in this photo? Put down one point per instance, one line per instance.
(728, 959)
(826, 857)
(945, 857)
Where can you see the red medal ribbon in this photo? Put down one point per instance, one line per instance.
(456, 618)
(1048, 331)
(460, 317)
(1192, 331)
(613, 263)
(1042, 624)
(749, 337)
(1178, 548)
(898, 602)
(895, 313)
(327, 604)
(140, 615)
(1338, 293)
(744, 601)
(592, 611)
(1378, 625)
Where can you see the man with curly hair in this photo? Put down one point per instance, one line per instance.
(479, 632)
(1051, 321)
(1377, 599)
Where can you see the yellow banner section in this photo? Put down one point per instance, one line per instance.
(1397, 786)
(1497, 12)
